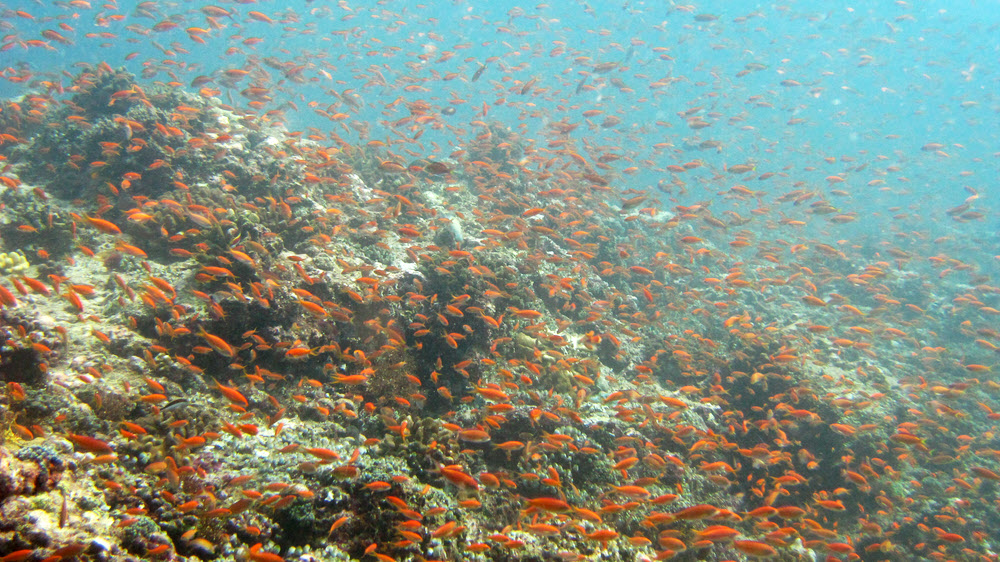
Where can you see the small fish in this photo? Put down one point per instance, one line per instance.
(479, 72)
(175, 404)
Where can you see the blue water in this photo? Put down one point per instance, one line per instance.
(877, 83)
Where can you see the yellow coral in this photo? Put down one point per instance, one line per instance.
(12, 262)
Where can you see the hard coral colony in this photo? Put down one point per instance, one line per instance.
(580, 331)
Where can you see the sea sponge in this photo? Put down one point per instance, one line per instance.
(12, 262)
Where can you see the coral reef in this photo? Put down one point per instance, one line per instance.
(31, 470)
(243, 344)
(12, 262)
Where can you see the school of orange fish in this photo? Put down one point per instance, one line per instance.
(264, 343)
